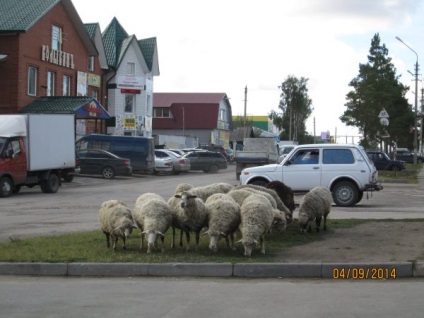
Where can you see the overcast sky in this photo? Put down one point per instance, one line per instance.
(226, 45)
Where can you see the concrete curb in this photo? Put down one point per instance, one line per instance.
(358, 271)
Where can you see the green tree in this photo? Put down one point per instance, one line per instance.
(376, 87)
(294, 110)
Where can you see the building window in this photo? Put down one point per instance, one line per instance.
(50, 83)
(130, 68)
(222, 114)
(66, 89)
(32, 81)
(56, 38)
(91, 63)
(95, 94)
(129, 103)
(162, 113)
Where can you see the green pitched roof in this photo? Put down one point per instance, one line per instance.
(21, 15)
(148, 47)
(91, 29)
(66, 105)
(113, 37)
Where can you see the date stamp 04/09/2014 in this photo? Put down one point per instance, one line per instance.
(375, 273)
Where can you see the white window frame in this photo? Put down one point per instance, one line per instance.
(51, 76)
(56, 38)
(159, 112)
(130, 68)
(32, 81)
(129, 103)
(66, 85)
(91, 63)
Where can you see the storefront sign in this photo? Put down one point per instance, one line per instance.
(129, 123)
(57, 57)
(93, 80)
(130, 82)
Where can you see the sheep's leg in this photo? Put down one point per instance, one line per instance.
(227, 241)
(197, 240)
(141, 241)
(318, 223)
(188, 240)
(107, 239)
(115, 241)
(173, 238)
(233, 247)
(162, 239)
(262, 243)
(124, 246)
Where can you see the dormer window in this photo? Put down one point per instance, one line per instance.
(56, 38)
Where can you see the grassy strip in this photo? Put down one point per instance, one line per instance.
(91, 247)
(409, 175)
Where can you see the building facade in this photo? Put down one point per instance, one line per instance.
(133, 64)
(206, 116)
(48, 53)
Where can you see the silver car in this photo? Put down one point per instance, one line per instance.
(179, 163)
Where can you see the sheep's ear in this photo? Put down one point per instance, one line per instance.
(177, 196)
(118, 228)
(256, 242)
(239, 241)
(191, 196)
(159, 233)
(223, 234)
(206, 232)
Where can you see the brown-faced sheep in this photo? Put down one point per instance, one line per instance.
(284, 192)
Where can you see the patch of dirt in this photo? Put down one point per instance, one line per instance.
(370, 242)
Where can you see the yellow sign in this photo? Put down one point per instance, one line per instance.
(129, 123)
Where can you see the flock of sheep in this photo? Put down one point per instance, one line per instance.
(220, 209)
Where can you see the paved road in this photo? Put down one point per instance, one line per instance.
(190, 297)
(75, 206)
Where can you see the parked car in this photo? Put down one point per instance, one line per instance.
(407, 156)
(383, 162)
(344, 169)
(207, 161)
(163, 165)
(214, 148)
(179, 163)
(178, 151)
(103, 162)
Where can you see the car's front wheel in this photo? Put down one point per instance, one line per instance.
(6, 187)
(261, 183)
(213, 169)
(345, 193)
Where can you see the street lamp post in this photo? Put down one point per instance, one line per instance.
(416, 101)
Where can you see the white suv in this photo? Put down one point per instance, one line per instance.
(345, 169)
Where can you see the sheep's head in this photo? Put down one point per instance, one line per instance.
(249, 245)
(304, 222)
(151, 236)
(185, 198)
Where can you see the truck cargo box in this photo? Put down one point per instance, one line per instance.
(50, 141)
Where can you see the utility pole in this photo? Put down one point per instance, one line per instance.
(245, 108)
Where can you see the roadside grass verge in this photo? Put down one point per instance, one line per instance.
(91, 247)
(409, 175)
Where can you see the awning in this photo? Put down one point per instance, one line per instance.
(84, 107)
(3, 57)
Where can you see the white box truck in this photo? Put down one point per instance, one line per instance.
(36, 149)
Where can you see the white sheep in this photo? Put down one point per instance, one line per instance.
(239, 195)
(280, 204)
(315, 204)
(153, 216)
(256, 220)
(224, 219)
(189, 215)
(204, 192)
(183, 187)
(115, 221)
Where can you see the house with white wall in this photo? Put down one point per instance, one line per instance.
(133, 65)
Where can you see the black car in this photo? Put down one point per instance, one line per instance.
(407, 156)
(207, 161)
(383, 162)
(103, 162)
